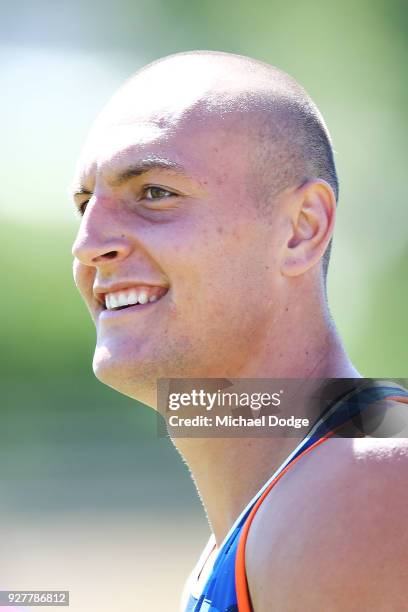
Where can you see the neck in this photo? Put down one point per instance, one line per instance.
(228, 472)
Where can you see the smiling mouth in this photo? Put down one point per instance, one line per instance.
(119, 300)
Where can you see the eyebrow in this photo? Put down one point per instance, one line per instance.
(147, 165)
(137, 169)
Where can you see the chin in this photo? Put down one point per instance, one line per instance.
(135, 372)
(127, 377)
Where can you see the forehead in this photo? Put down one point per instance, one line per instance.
(202, 143)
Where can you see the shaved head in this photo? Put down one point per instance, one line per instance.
(287, 141)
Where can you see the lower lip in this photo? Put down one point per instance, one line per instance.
(136, 309)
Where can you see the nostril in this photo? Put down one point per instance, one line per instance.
(107, 255)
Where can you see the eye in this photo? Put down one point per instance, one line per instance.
(157, 193)
(82, 208)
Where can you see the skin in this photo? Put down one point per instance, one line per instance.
(237, 239)
(346, 552)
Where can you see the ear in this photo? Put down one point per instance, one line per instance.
(312, 212)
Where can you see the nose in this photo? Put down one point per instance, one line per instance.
(100, 239)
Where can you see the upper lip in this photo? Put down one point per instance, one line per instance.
(100, 291)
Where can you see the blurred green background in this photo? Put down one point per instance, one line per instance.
(88, 495)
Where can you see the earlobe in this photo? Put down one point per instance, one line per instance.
(312, 215)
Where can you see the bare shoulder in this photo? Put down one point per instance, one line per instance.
(332, 534)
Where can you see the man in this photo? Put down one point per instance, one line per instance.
(208, 190)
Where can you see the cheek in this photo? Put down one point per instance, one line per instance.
(218, 272)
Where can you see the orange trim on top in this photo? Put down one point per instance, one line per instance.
(398, 398)
(241, 583)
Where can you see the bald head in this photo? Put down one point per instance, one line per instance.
(283, 133)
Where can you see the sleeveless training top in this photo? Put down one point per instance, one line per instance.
(225, 589)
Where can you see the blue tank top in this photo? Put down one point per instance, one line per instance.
(219, 592)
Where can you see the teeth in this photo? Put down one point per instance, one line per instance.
(114, 302)
(119, 299)
(132, 297)
(122, 299)
(143, 298)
